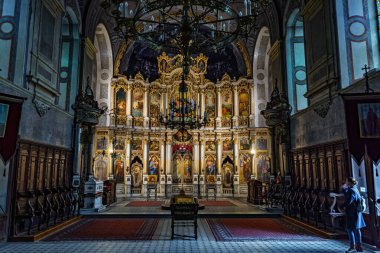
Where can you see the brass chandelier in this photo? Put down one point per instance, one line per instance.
(185, 27)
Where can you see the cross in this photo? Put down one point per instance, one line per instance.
(367, 88)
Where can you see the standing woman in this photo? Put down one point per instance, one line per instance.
(354, 218)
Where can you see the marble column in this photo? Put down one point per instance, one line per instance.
(196, 157)
(236, 152)
(235, 118)
(203, 103)
(128, 177)
(162, 160)
(146, 107)
(252, 105)
(145, 155)
(168, 155)
(219, 155)
(219, 109)
(129, 105)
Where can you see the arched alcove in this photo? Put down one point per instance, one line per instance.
(261, 75)
(104, 68)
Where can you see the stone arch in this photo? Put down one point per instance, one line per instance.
(104, 66)
(261, 75)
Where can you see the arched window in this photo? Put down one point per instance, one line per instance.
(295, 62)
(69, 61)
(358, 38)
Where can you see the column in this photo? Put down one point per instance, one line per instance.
(203, 102)
(201, 179)
(162, 160)
(145, 155)
(219, 155)
(235, 118)
(168, 155)
(146, 107)
(252, 105)
(236, 152)
(168, 189)
(162, 173)
(129, 105)
(196, 157)
(128, 172)
(219, 111)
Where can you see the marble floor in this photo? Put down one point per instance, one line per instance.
(161, 241)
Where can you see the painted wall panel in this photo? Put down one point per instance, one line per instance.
(5, 48)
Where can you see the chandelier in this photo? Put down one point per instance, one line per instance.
(185, 27)
(183, 113)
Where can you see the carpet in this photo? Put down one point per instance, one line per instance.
(216, 203)
(107, 229)
(235, 229)
(144, 203)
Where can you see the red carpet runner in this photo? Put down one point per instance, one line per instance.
(235, 229)
(144, 203)
(216, 203)
(107, 229)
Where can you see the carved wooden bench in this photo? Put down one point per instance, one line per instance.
(24, 211)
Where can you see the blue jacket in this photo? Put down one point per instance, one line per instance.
(354, 219)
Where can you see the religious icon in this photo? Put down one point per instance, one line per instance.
(261, 144)
(101, 168)
(227, 145)
(210, 104)
(138, 103)
(263, 167)
(227, 177)
(245, 168)
(119, 144)
(227, 104)
(121, 102)
(119, 171)
(155, 104)
(153, 166)
(210, 146)
(101, 143)
(369, 120)
(210, 166)
(245, 144)
(244, 103)
(154, 146)
(137, 178)
(137, 145)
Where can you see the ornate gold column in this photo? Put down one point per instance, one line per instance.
(129, 105)
(169, 154)
(146, 107)
(219, 155)
(236, 152)
(252, 105)
(219, 109)
(235, 118)
(202, 102)
(145, 155)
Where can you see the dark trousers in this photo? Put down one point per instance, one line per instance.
(355, 236)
